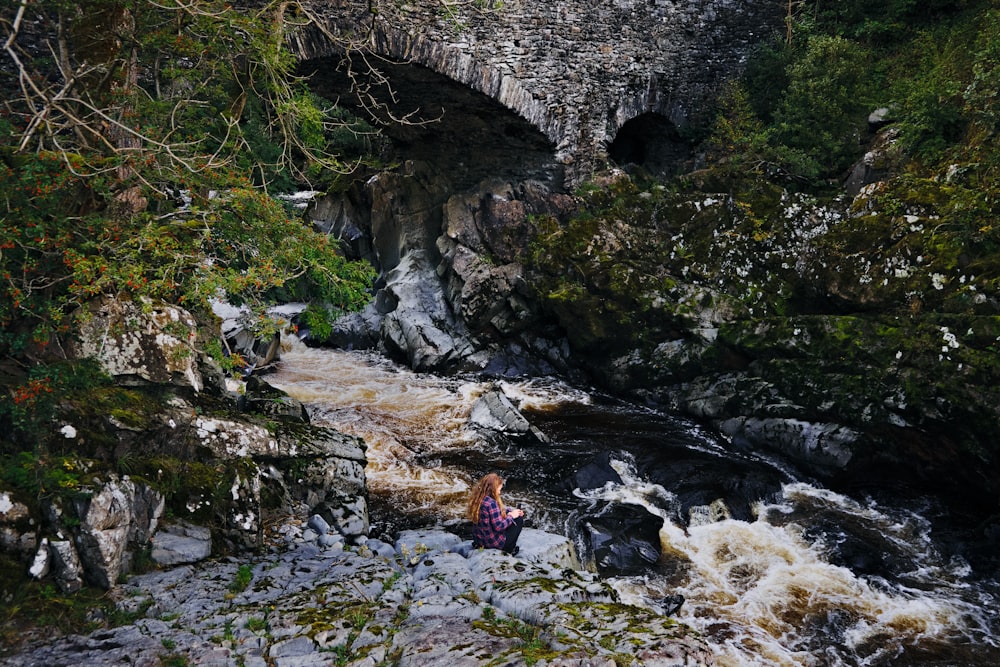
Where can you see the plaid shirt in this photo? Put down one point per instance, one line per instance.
(489, 532)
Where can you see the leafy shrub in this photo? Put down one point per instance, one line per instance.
(930, 76)
(981, 94)
(820, 120)
(164, 195)
(885, 22)
(799, 113)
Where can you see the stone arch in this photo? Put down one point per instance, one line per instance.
(467, 134)
(650, 141)
(575, 71)
(394, 48)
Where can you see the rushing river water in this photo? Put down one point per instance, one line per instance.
(799, 576)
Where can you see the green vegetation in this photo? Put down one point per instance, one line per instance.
(141, 146)
(530, 646)
(33, 605)
(797, 116)
(879, 314)
(256, 624)
(242, 579)
(791, 126)
(138, 160)
(800, 110)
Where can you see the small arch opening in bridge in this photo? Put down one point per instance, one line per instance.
(432, 119)
(650, 142)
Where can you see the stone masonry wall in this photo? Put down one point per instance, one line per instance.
(578, 70)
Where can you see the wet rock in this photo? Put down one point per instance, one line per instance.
(257, 352)
(421, 328)
(344, 217)
(596, 474)
(150, 342)
(622, 539)
(824, 446)
(494, 411)
(711, 486)
(352, 331)
(672, 604)
(702, 515)
(261, 398)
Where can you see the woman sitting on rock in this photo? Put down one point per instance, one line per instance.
(496, 527)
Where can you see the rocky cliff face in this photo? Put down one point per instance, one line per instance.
(788, 322)
(168, 466)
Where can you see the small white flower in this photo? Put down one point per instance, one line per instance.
(68, 431)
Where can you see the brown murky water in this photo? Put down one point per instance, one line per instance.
(764, 590)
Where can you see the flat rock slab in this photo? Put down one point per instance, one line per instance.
(179, 544)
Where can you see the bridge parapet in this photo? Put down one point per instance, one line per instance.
(578, 70)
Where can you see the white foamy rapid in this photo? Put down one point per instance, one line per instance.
(763, 593)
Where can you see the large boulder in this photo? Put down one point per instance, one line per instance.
(93, 536)
(147, 342)
(420, 326)
(495, 414)
(621, 539)
(107, 521)
(180, 543)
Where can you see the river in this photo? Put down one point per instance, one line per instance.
(800, 575)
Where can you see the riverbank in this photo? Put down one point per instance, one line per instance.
(428, 599)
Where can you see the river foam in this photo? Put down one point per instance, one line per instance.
(807, 577)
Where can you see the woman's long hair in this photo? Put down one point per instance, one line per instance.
(489, 485)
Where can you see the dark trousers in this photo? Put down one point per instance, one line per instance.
(512, 533)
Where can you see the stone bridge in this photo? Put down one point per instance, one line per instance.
(588, 80)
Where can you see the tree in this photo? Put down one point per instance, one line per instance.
(139, 141)
(825, 108)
